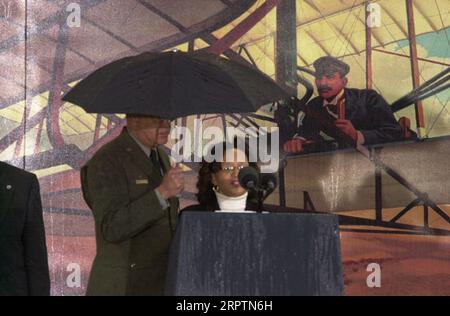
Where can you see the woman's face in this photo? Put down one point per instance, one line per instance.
(226, 179)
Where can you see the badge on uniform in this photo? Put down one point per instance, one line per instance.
(142, 181)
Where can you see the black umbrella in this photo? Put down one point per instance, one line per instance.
(175, 84)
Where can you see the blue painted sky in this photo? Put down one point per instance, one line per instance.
(436, 43)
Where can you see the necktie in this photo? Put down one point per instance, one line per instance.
(333, 108)
(341, 108)
(338, 109)
(155, 162)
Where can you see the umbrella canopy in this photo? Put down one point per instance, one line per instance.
(175, 84)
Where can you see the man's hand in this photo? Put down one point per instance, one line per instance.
(172, 184)
(295, 145)
(347, 128)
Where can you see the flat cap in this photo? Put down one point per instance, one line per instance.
(329, 65)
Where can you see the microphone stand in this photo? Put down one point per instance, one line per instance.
(261, 197)
(262, 194)
(249, 179)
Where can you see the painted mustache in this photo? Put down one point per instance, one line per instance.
(324, 89)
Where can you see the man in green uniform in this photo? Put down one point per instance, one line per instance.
(131, 189)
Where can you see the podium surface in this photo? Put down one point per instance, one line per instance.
(254, 254)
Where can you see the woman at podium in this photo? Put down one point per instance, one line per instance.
(218, 185)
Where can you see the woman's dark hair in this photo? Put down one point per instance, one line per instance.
(206, 195)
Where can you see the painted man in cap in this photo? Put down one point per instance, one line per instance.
(23, 251)
(362, 114)
(132, 190)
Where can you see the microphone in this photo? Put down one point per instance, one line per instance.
(269, 182)
(248, 178)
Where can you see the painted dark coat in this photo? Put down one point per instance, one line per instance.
(368, 112)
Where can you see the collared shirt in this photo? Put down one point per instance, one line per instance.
(333, 102)
(144, 148)
(163, 202)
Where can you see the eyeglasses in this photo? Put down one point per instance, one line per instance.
(231, 169)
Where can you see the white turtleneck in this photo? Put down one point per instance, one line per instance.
(231, 204)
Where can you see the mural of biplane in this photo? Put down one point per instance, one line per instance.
(403, 53)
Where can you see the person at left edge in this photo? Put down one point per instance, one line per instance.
(131, 189)
(23, 251)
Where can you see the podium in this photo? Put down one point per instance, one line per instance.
(254, 254)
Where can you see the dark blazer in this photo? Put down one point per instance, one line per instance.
(368, 112)
(133, 232)
(23, 251)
